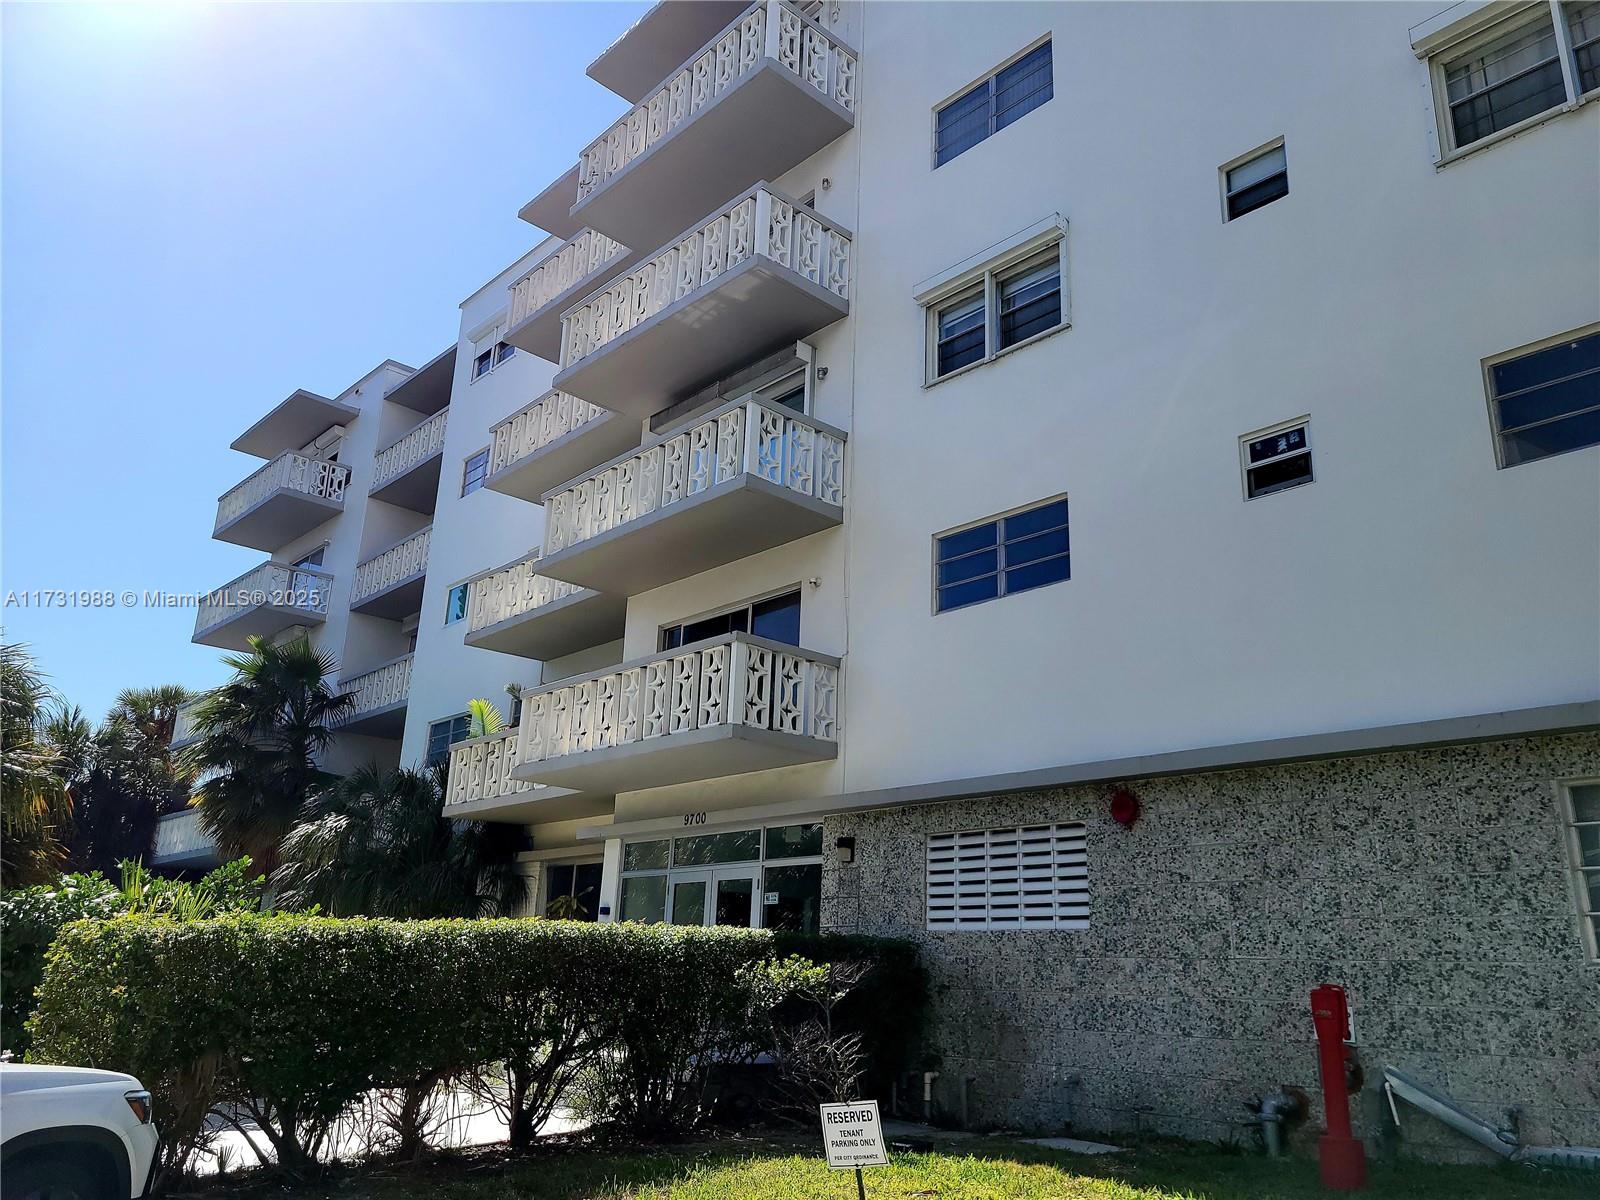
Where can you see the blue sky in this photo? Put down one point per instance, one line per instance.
(206, 207)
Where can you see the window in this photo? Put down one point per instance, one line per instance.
(1546, 400)
(572, 891)
(1033, 877)
(1261, 178)
(503, 351)
(1276, 458)
(1004, 97)
(474, 471)
(455, 605)
(1513, 72)
(313, 560)
(770, 878)
(776, 618)
(1008, 304)
(1583, 845)
(1014, 553)
(488, 352)
(444, 734)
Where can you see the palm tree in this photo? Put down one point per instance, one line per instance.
(151, 716)
(35, 800)
(376, 844)
(260, 736)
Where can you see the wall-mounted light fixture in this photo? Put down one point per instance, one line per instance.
(845, 847)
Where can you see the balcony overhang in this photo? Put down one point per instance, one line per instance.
(657, 43)
(427, 389)
(539, 806)
(566, 457)
(551, 209)
(387, 721)
(417, 487)
(399, 599)
(278, 519)
(764, 125)
(697, 754)
(575, 622)
(539, 333)
(753, 309)
(258, 620)
(725, 523)
(296, 422)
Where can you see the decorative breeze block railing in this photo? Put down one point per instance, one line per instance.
(180, 833)
(481, 769)
(379, 688)
(760, 223)
(415, 446)
(579, 257)
(510, 592)
(530, 429)
(400, 561)
(771, 30)
(749, 436)
(289, 471)
(272, 583)
(184, 729)
(735, 679)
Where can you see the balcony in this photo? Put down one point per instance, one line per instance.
(515, 610)
(380, 700)
(746, 477)
(481, 787)
(389, 584)
(284, 500)
(724, 706)
(262, 602)
(301, 418)
(761, 97)
(184, 732)
(761, 273)
(406, 472)
(669, 32)
(181, 843)
(551, 440)
(585, 262)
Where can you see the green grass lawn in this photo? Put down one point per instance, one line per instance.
(981, 1170)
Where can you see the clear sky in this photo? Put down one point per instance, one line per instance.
(208, 206)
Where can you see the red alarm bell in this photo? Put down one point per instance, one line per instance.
(1124, 807)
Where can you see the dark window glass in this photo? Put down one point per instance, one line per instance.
(1030, 300)
(969, 566)
(1025, 550)
(777, 618)
(793, 898)
(645, 856)
(1286, 442)
(572, 891)
(742, 845)
(736, 900)
(503, 351)
(1584, 22)
(962, 594)
(1548, 402)
(993, 104)
(644, 898)
(483, 363)
(1514, 77)
(1258, 182)
(979, 536)
(1050, 570)
(961, 334)
(444, 734)
(455, 605)
(795, 400)
(474, 471)
(1279, 474)
(1035, 520)
(794, 841)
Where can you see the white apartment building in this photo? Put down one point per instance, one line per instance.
(1110, 492)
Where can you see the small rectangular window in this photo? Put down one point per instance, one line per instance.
(1276, 458)
(1028, 877)
(1030, 299)
(474, 471)
(1256, 182)
(1515, 76)
(1583, 846)
(483, 363)
(456, 605)
(1014, 301)
(1583, 21)
(1015, 553)
(502, 352)
(961, 332)
(999, 100)
(1546, 401)
(776, 618)
(444, 734)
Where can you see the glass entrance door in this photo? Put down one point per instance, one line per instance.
(723, 897)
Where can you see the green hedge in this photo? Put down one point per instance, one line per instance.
(296, 1017)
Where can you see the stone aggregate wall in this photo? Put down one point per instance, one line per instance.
(1433, 884)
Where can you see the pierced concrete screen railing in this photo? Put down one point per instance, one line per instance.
(530, 429)
(759, 224)
(400, 561)
(510, 592)
(184, 729)
(750, 436)
(481, 769)
(288, 472)
(771, 31)
(179, 835)
(736, 679)
(579, 257)
(380, 688)
(276, 584)
(417, 445)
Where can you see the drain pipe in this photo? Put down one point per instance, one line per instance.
(1277, 1110)
(1503, 1142)
(927, 1096)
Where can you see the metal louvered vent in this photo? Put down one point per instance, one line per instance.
(1033, 877)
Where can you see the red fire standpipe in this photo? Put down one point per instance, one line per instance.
(1343, 1160)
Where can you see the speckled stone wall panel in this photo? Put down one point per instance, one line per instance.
(1433, 884)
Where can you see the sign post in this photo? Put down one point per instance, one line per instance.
(852, 1136)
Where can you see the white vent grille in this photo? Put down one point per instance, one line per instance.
(1033, 877)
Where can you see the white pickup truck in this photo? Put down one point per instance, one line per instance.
(71, 1133)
